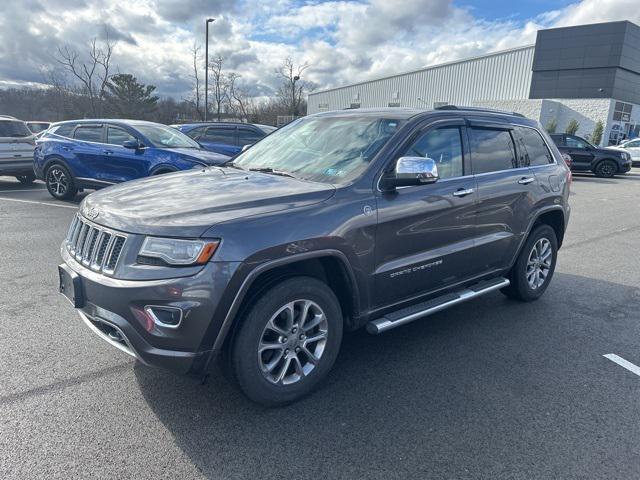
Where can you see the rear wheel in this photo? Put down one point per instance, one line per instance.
(606, 169)
(27, 179)
(288, 341)
(60, 182)
(533, 270)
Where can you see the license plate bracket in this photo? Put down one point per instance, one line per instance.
(70, 286)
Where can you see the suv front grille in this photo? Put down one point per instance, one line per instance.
(95, 247)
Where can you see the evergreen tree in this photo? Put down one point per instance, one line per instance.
(127, 98)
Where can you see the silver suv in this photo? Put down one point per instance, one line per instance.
(17, 143)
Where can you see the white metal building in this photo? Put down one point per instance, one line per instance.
(587, 73)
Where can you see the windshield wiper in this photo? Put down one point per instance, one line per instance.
(271, 171)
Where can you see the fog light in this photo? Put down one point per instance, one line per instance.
(167, 317)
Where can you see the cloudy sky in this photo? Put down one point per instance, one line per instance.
(344, 41)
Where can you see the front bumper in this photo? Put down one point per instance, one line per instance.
(625, 166)
(114, 310)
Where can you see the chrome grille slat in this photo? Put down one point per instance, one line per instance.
(94, 246)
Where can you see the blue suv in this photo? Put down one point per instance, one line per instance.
(225, 137)
(97, 153)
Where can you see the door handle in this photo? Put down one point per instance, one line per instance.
(526, 180)
(462, 192)
(108, 152)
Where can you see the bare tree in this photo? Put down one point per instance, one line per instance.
(219, 84)
(197, 90)
(92, 71)
(239, 99)
(292, 90)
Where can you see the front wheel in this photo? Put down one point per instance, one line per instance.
(60, 182)
(606, 169)
(288, 341)
(532, 272)
(26, 179)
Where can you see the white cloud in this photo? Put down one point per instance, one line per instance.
(343, 40)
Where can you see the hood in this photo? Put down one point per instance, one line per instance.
(210, 158)
(187, 204)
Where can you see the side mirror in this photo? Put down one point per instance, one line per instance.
(132, 144)
(412, 171)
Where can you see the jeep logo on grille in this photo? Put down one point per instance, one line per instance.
(92, 213)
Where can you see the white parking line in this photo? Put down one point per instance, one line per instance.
(623, 363)
(38, 203)
(23, 190)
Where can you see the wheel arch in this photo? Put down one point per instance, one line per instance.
(330, 266)
(605, 159)
(54, 158)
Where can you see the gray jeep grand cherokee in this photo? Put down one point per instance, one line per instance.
(337, 221)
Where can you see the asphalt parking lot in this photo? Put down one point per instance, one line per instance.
(490, 389)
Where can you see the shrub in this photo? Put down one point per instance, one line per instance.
(551, 126)
(596, 136)
(573, 127)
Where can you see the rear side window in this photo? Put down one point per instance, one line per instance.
(248, 137)
(117, 136)
(531, 147)
(444, 146)
(14, 129)
(89, 134)
(219, 135)
(492, 150)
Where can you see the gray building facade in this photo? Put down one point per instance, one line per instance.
(585, 73)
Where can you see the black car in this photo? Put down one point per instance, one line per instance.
(586, 157)
(340, 220)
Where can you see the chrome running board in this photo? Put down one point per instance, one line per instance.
(414, 312)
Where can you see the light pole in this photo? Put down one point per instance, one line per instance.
(206, 68)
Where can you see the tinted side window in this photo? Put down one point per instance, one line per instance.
(634, 144)
(444, 146)
(117, 136)
(65, 130)
(195, 133)
(220, 135)
(491, 150)
(248, 137)
(88, 134)
(532, 149)
(573, 142)
(558, 140)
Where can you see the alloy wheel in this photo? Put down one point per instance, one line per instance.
(539, 263)
(292, 342)
(57, 181)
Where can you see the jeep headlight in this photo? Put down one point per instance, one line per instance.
(173, 251)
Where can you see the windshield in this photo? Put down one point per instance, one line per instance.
(321, 149)
(14, 129)
(166, 137)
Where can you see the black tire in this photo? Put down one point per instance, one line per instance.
(60, 183)
(250, 367)
(520, 287)
(26, 179)
(606, 169)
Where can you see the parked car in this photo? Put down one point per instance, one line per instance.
(226, 138)
(632, 147)
(604, 162)
(16, 149)
(38, 127)
(336, 221)
(97, 153)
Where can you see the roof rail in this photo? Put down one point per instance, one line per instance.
(478, 109)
